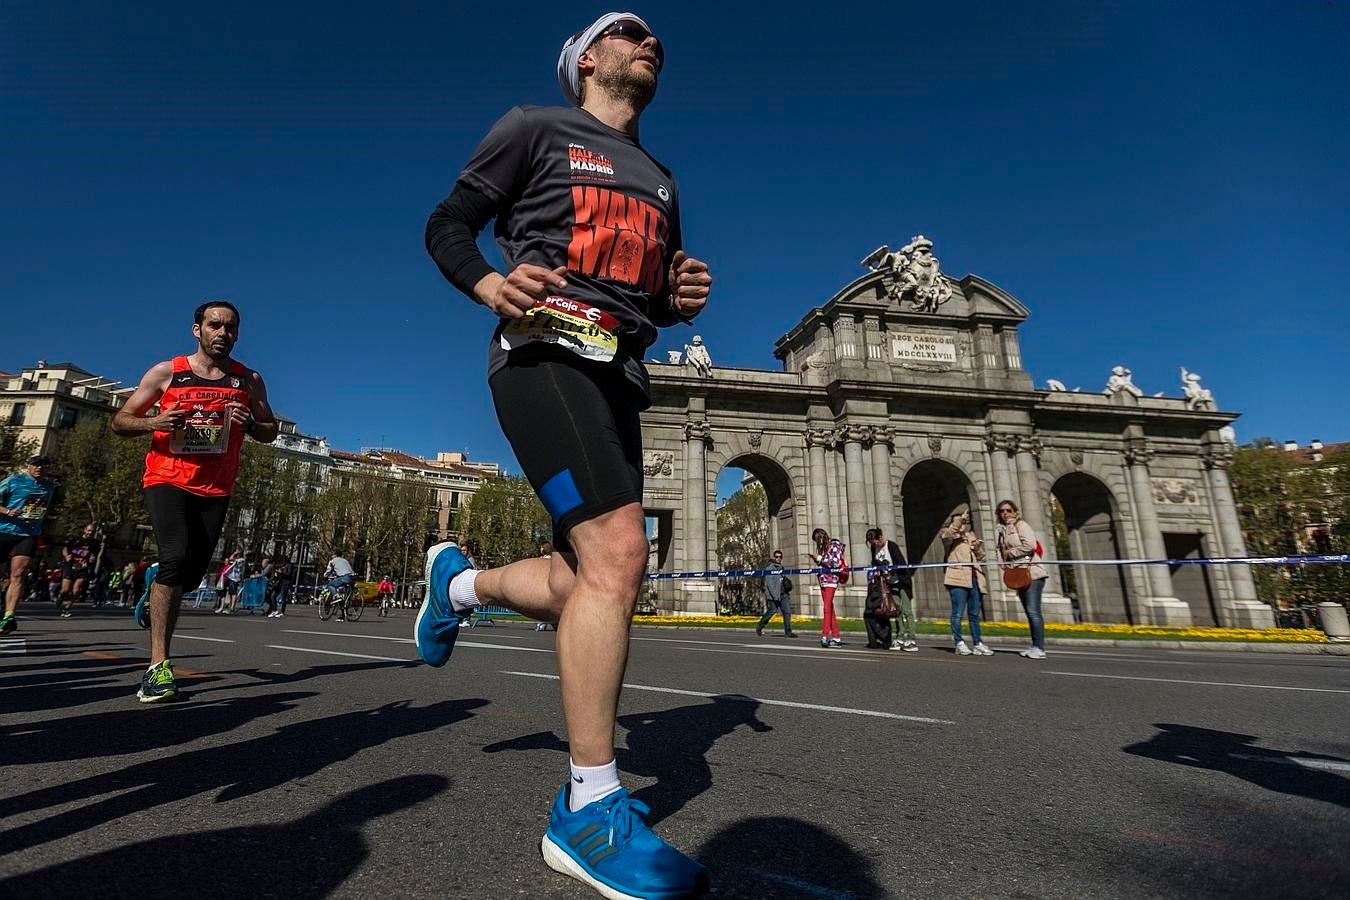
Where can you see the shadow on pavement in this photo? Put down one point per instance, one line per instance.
(236, 770)
(133, 728)
(278, 679)
(670, 745)
(1300, 774)
(785, 857)
(309, 857)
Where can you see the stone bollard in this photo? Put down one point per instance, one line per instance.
(1334, 622)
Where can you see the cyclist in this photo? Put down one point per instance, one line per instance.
(385, 591)
(340, 576)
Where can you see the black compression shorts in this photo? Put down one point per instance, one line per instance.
(187, 527)
(12, 545)
(575, 431)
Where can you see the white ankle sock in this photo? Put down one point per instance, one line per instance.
(461, 592)
(591, 783)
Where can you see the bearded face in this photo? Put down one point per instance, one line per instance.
(621, 72)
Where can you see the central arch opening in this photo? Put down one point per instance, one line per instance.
(755, 516)
(1090, 523)
(931, 492)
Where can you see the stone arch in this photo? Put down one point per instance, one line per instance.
(1092, 519)
(930, 492)
(781, 497)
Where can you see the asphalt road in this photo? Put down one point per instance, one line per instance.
(313, 759)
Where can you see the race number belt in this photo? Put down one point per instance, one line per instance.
(202, 431)
(579, 327)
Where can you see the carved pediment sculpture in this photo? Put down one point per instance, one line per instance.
(696, 355)
(912, 273)
(1197, 397)
(1121, 382)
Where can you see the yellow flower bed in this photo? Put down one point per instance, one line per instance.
(1265, 635)
(1279, 635)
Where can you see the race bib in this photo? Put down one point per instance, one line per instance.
(203, 431)
(585, 330)
(34, 508)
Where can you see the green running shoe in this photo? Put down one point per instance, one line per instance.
(157, 684)
(8, 624)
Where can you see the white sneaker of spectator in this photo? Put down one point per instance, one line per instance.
(962, 649)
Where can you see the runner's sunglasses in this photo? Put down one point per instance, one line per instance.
(637, 34)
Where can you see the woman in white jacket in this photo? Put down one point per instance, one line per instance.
(1019, 549)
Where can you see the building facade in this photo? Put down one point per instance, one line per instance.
(46, 400)
(903, 396)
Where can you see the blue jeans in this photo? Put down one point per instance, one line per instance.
(1031, 605)
(771, 607)
(965, 601)
(340, 581)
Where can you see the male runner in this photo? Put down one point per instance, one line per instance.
(24, 498)
(589, 226)
(77, 558)
(207, 403)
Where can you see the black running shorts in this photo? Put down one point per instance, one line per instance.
(187, 527)
(12, 545)
(575, 431)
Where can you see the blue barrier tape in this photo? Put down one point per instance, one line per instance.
(1341, 559)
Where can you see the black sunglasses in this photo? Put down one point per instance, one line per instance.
(637, 34)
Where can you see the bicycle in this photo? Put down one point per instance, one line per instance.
(343, 600)
(386, 604)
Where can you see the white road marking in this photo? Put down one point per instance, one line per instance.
(16, 647)
(788, 703)
(336, 653)
(1264, 687)
(833, 654)
(394, 640)
(1327, 765)
(338, 634)
(188, 637)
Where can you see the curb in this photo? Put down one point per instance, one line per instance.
(1228, 646)
(1005, 641)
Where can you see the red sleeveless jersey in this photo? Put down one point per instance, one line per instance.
(202, 456)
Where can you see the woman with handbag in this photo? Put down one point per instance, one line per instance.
(1022, 572)
(964, 579)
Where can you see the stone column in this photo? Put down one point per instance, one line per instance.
(1247, 610)
(1161, 606)
(882, 488)
(1000, 447)
(818, 440)
(855, 485)
(1055, 606)
(700, 596)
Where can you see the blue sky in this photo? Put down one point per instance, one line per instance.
(1162, 185)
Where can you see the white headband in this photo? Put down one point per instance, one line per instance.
(569, 79)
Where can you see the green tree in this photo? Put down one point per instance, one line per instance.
(506, 521)
(1288, 507)
(99, 479)
(742, 543)
(15, 451)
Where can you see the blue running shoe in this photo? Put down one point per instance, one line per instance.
(437, 622)
(607, 845)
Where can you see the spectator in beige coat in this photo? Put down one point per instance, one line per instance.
(965, 579)
(1019, 549)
